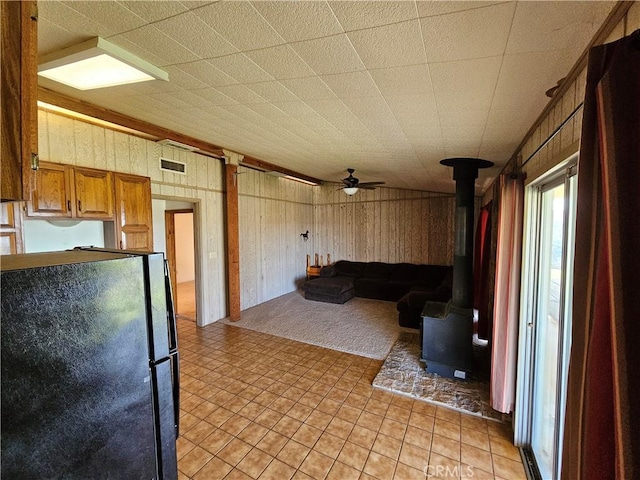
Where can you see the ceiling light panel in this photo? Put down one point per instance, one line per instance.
(97, 63)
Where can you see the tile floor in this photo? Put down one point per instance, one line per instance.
(256, 406)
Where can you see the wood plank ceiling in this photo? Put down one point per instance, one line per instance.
(386, 87)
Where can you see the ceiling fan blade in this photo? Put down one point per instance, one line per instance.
(363, 184)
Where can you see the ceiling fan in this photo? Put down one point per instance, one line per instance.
(351, 184)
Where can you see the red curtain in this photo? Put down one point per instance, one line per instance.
(602, 420)
(507, 293)
(481, 278)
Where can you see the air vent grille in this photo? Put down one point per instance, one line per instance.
(173, 166)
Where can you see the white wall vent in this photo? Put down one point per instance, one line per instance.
(173, 166)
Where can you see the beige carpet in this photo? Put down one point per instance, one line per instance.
(361, 326)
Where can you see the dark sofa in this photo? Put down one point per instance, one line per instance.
(410, 285)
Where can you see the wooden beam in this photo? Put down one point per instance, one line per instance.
(233, 240)
(269, 167)
(85, 108)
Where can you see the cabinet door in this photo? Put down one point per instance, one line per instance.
(133, 212)
(51, 195)
(11, 240)
(18, 90)
(94, 193)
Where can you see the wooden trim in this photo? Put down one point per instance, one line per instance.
(270, 167)
(616, 15)
(170, 242)
(29, 88)
(101, 113)
(233, 241)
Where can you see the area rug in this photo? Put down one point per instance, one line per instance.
(403, 372)
(361, 326)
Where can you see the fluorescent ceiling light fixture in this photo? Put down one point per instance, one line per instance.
(97, 63)
(350, 190)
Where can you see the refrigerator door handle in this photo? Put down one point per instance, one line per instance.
(173, 333)
(175, 372)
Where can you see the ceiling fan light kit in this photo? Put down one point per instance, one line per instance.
(351, 184)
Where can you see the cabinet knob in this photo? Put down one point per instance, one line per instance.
(79, 206)
(68, 205)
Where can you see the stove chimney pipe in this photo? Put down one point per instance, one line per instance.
(465, 172)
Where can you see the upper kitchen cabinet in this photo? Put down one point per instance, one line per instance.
(18, 91)
(134, 228)
(72, 192)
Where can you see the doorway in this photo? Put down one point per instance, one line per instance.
(180, 250)
(546, 318)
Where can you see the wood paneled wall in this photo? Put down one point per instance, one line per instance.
(273, 212)
(385, 225)
(73, 142)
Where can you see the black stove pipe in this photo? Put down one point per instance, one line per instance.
(465, 172)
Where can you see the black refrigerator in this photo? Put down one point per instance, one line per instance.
(90, 366)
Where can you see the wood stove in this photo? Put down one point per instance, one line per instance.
(447, 328)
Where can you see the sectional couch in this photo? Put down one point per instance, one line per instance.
(410, 285)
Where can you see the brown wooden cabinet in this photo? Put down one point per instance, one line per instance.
(18, 89)
(64, 191)
(133, 222)
(11, 236)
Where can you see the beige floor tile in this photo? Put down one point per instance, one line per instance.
(422, 420)
(387, 446)
(393, 429)
(253, 433)
(194, 461)
(370, 420)
(234, 451)
(475, 438)
(362, 436)
(413, 456)
(268, 418)
(504, 448)
(236, 474)
(397, 413)
(254, 463)
(446, 447)
(216, 441)
(293, 453)
(405, 472)
(448, 415)
(277, 470)
(503, 467)
(418, 437)
(329, 445)
(318, 419)
(340, 471)
(272, 443)
(307, 435)
(447, 429)
(312, 413)
(340, 428)
(183, 446)
(379, 466)
(215, 469)
(316, 465)
(353, 455)
(475, 457)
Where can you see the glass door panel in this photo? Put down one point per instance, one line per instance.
(547, 323)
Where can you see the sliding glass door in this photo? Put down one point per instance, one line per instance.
(546, 318)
